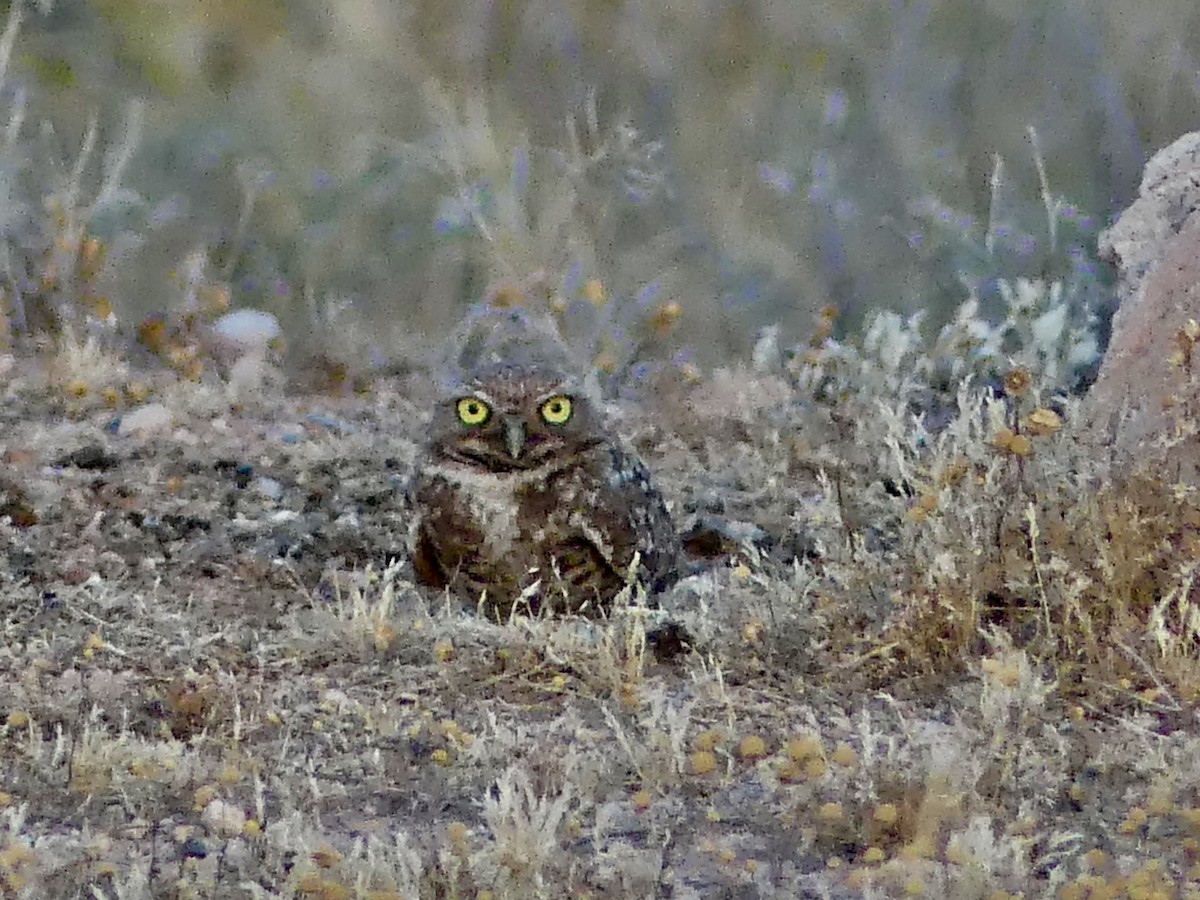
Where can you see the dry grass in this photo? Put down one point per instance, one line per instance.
(978, 679)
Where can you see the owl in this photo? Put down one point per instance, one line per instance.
(526, 500)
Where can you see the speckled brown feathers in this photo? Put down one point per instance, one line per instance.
(525, 498)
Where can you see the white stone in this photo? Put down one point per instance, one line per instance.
(148, 419)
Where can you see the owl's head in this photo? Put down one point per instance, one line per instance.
(509, 418)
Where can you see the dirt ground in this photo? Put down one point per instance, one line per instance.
(218, 680)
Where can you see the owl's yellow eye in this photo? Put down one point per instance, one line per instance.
(557, 410)
(473, 411)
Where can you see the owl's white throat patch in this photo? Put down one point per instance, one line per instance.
(492, 499)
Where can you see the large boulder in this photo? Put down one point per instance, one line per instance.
(1145, 401)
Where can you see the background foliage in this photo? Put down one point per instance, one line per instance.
(370, 168)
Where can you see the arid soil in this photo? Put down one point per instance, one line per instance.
(217, 679)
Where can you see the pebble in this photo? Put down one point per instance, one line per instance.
(152, 418)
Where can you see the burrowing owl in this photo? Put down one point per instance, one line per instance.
(524, 496)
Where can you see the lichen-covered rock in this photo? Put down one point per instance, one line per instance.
(1146, 391)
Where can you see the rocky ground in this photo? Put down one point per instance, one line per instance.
(218, 680)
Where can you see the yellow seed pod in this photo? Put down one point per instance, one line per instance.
(703, 762)
(831, 812)
(594, 291)
(804, 747)
(886, 814)
(1017, 381)
(1020, 445)
(752, 747)
(1041, 422)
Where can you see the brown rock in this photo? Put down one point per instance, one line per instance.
(1146, 393)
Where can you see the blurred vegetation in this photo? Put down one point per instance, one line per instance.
(366, 170)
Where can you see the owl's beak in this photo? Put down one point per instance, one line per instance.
(514, 436)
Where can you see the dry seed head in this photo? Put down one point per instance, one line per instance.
(91, 257)
(594, 291)
(752, 747)
(136, 392)
(204, 795)
(708, 740)
(1042, 422)
(384, 636)
(213, 299)
(18, 718)
(93, 644)
(506, 295)
(804, 747)
(954, 473)
(1017, 381)
(789, 772)
(831, 812)
(703, 762)
(101, 308)
(666, 317)
(1007, 441)
(886, 814)
(326, 857)
(845, 756)
(458, 833)
(642, 800)
(958, 855)
(753, 631)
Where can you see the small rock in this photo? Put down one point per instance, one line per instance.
(270, 488)
(246, 330)
(193, 848)
(16, 505)
(92, 457)
(330, 423)
(224, 819)
(152, 418)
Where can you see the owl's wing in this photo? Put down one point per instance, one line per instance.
(630, 517)
(426, 564)
(422, 501)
